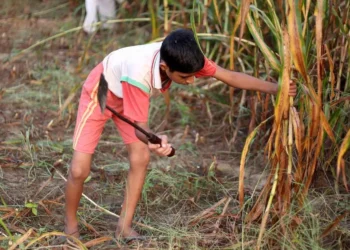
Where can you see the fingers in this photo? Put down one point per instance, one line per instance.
(161, 150)
(164, 151)
(292, 88)
(164, 139)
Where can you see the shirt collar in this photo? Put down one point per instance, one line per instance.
(155, 79)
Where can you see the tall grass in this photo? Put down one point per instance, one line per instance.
(303, 137)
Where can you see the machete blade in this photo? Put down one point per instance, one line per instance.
(102, 93)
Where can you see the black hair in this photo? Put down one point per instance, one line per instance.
(181, 53)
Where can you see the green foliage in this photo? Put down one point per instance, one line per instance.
(33, 207)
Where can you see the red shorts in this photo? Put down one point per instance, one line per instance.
(90, 120)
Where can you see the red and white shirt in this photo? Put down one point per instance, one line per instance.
(133, 74)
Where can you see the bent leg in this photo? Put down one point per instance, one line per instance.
(78, 172)
(88, 129)
(139, 156)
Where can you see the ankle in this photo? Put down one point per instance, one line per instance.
(125, 232)
(123, 225)
(71, 222)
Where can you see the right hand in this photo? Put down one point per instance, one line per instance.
(161, 150)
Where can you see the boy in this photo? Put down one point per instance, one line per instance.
(133, 74)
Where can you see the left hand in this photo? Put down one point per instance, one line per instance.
(292, 88)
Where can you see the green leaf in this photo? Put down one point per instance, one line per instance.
(259, 40)
(35, 211)
(31, 205)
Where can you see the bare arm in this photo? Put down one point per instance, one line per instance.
(244, 81)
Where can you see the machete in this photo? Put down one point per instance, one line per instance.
(102, 99)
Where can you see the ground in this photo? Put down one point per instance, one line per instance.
(188, 201)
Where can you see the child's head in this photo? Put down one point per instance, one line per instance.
(181, 55)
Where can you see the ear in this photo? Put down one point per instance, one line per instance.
(163, 66)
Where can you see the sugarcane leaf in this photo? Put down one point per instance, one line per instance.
(244, 12)
(295, 39)
(340, 162)
(267, 52)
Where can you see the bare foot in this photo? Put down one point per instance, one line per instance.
(72, 230)
(125, 232)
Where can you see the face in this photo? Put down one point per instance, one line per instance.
(181, 78)
(178, 77)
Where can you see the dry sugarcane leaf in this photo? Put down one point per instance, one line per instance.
(296, 42)
(297, 131)
(7, 209)
(288, 186)
(334, 103)
(282, 104)
(277, 142)
(270, 141)
(208, 210)
(284, 195)
(72, 238)
(268, 206)
(340, 162)
(218, 222)
(17, 229)
(334, 224)
(314, 153)
(319, 19)
(244, 12)
(316, 109)
(21, 239)
(97, 241)
(45, 208)
(8, 215)
(327, 128)
(241, 168)
(90, 227)
(315, 121)
(259, 205)
(242, 163)
(344, 175)
(253, 107)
